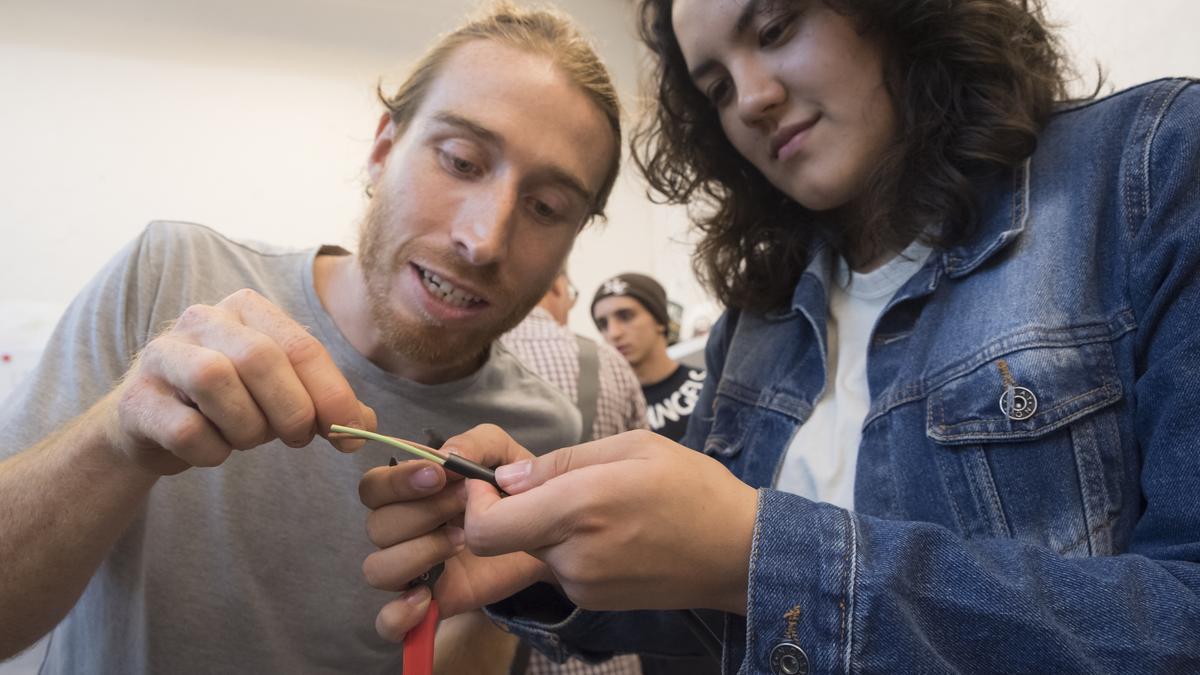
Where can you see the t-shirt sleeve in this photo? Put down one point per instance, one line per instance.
(90, 348)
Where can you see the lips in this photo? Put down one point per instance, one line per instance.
(447, 291)
(786, 141)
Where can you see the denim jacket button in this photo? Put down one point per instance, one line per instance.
(788, 659)
(1021, 404)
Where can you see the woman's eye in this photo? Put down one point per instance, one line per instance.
(717, 91)
(775, 31)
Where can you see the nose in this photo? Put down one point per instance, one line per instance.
(613, 330)
(759, 93)
(482, 230)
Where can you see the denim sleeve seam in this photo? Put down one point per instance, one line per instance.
(850, 582)
(1151, 137)
(748, 656)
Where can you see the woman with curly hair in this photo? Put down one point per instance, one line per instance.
(951, 415)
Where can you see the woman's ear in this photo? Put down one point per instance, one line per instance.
(385, 137)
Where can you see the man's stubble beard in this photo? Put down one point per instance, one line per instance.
(423, 342)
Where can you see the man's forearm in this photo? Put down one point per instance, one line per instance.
(63, 503)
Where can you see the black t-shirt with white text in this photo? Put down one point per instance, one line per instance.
(669, 403)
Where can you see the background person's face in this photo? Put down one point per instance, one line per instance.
(477, 203)
(799, 92)
(629, 327)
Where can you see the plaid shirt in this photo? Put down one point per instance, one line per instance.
(550, 350)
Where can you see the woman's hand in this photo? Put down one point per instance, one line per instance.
(633, 521)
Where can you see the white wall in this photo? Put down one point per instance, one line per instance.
(255, 117)
(148, 110)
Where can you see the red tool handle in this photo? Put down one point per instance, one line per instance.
(418, 644)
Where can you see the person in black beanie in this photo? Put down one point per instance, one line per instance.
(630, 311)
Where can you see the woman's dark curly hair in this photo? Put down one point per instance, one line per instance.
(973, 82)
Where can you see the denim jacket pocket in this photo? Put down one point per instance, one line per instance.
(1028, 446)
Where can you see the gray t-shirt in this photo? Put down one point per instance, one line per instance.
(254, 566)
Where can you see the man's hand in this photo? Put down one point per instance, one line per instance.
(633, 521)
(416, 521)
(229, 377)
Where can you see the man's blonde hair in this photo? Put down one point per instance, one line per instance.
(540, 31)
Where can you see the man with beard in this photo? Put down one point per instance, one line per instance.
(482, 172)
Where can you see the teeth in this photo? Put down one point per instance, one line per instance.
(446, 291)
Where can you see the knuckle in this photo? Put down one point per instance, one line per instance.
(251, 435)
(476, 537)
(258, 356)
(562, 460)
(187, 434)
(153, 356)
(489, 429)
(641, 436)
(208, 372)
(301, 347)
(373, 571)
(377, 528)
(193, 316)
(243, 297)
(338, 396)
(298, 421)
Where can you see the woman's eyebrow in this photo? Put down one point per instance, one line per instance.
(740, 26)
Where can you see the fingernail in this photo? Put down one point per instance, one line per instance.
(417, 595)
(457, 536)
(425, 479)
(511, 473)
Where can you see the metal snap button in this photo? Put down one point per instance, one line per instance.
(788, 659)
(1018, 403)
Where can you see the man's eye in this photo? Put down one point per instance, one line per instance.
(544, 210)
(456, 164)
(462, 166)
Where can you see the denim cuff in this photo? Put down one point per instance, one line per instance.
(547, 620)
(800, 598)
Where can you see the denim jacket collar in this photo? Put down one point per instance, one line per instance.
(1006, 202)
(1006, 222)
(1008, 209)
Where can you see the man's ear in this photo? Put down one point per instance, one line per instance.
(385, 138)
(559, 287)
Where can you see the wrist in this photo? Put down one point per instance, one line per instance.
(735, 591)
(111, 449)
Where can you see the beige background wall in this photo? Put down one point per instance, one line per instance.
(254, 116)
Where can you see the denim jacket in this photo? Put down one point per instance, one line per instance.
(1027, 494)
